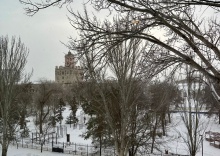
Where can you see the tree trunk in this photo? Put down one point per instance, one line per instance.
(132, 151)
(119, 151)
(163, 124)
(153, 136)
(100, 141)
(5, 138)
(41, 127)
(22, 119)
(41, 147)
(193, 153)
(219, 116)
(41, 120)
(4, 148)
(169, 118)
(4, 151)
(129, 152)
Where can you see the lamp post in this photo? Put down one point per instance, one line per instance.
(201, 142)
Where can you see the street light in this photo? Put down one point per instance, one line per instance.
(201, 142)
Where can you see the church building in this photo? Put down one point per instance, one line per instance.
(69, 73)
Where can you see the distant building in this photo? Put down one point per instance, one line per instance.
(70, 73)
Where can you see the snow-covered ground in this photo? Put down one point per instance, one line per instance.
(74, 132)
(175, 146)
(13, 151)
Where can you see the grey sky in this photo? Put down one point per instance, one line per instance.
(41, 33)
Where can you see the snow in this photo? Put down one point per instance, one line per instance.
(74, 132)
(177, 146)
(13, 151)
(173, 145)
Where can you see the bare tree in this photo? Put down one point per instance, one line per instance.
(194, 123)
(44, 102)
(187, 38)
(212, 105)
(164, 95)
(24, 101)
(119, 96)
(13, 58)
(33, 7)
(182, 31)
(184, 39)
(211, 3)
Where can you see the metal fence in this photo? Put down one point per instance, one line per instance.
(76, 149)
(79, 149)
(68, 148)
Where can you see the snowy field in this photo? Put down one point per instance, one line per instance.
(75, 137)
(13, 151)
(175, 146)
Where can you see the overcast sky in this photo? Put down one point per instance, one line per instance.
(41, 33)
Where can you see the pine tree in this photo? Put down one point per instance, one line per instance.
(58, 113)
(71, 119)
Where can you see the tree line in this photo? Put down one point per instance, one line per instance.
(128, 110)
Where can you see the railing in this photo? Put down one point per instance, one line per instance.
(68, 148)
(76, 149)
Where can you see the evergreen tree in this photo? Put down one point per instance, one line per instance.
(71, 119)
(58, 112)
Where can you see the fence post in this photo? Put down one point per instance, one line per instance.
(56, 138)
(75, 148)
(87, 150)
(61, 131)
(52, 140)
(36, 137)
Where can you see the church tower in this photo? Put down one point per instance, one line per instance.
(69, 73)
(70, 60)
